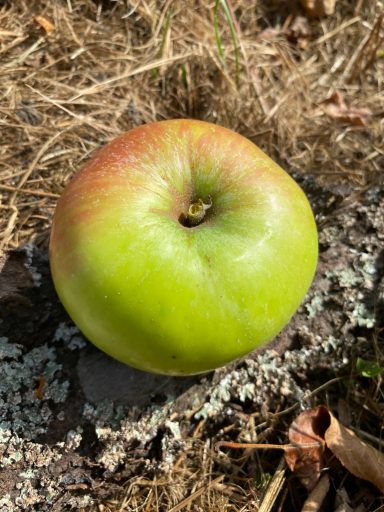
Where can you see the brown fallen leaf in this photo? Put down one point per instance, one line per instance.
(336, 108)
(44, 23)
(314, 434)
(304, 453)
(304, 460)
(360, 458)
(319, 7)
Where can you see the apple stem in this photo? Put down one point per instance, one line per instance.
(197, 212)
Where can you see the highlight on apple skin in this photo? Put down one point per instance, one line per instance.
(181, 246)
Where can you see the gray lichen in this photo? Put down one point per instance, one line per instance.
(115, 441)
(28, 382)
(70, 335)
(270, 379)
(30, 385)
(36, 276)
(6, 503)
(315, 305)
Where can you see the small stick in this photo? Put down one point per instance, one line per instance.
(259, 446)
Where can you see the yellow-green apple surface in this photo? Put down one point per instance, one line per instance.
(181, 246)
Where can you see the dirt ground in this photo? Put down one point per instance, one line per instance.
(79, 431)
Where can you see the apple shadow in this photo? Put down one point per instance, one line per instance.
(104, 378)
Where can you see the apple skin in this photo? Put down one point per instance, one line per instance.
(167, 298)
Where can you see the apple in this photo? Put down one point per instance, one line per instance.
(181, 246)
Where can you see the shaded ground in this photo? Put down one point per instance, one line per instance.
(78, 429)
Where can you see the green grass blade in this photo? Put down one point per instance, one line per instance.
(167, 24)
(229, 18)
(217, 31)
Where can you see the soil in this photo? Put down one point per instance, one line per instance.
(78, 426)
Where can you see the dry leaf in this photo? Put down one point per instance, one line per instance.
(47, 25)
(319, 425)
(361, 459)
(306, 433)
(336, 108)
(314, 433)
(319, 7)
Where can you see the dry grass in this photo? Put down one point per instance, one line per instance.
(110, 65)
(201, 479)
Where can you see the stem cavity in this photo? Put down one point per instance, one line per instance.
(196, 213)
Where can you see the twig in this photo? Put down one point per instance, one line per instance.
(262, 446)
(309, 395)
(317, 495)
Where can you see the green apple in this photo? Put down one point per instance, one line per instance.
(181, 246)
